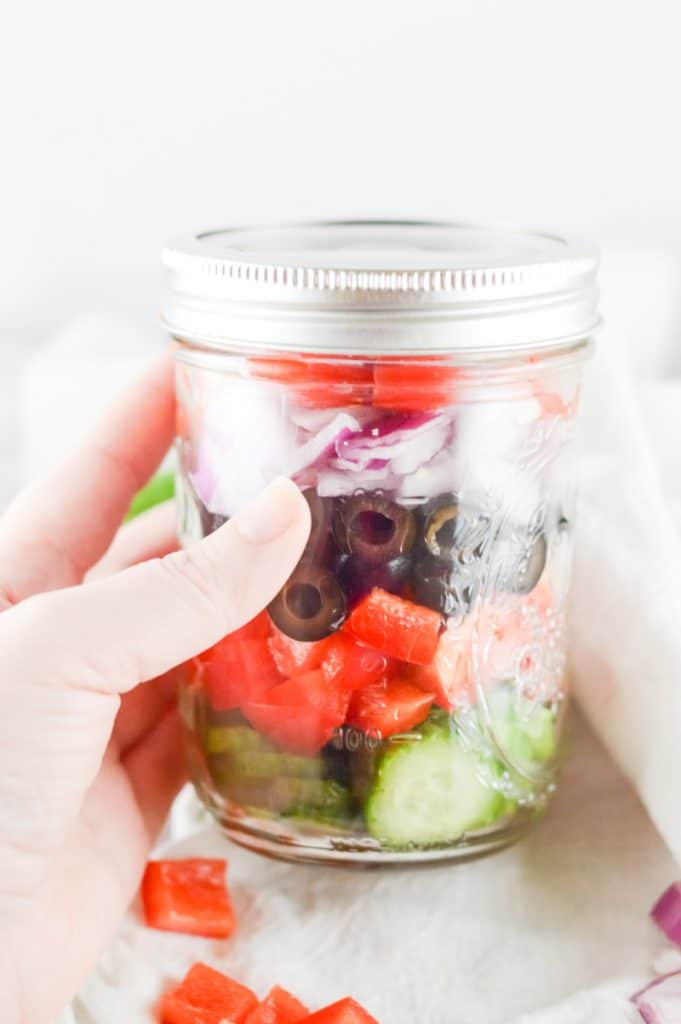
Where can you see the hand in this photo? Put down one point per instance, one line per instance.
(90, 754)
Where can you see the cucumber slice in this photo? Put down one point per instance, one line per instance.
(234, 739)
(429, 792)
(281, 795)
(263, 764)
(526, 732)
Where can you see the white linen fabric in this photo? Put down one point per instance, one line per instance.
(509, 939)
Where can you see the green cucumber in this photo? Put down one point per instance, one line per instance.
(430, 791)
(265, 764)
(159, 489)
(283, 795)
(526, 732)
(234, 739)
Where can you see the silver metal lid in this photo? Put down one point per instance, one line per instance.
(388, 287)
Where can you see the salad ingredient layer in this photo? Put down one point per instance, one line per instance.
(406, 683)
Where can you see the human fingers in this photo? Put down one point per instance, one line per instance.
(112, 634)
(60, 526)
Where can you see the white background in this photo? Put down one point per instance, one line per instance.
(126, 122)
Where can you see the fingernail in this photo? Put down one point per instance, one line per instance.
(270, 514)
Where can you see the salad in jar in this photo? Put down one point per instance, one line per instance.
(403, 693)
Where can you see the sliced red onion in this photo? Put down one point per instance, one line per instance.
(438, 476)
(660, 1002)
(407, 442)
(323, 443)
(314, 420)
(332, 483)
(667, 913)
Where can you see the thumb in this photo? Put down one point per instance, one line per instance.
(111, 634)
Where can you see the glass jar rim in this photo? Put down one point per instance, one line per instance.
(372, 287)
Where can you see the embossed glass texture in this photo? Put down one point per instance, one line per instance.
(403, 696)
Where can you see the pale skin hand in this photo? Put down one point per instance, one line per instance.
(90, 753)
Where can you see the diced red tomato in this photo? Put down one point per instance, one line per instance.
(319, 385)
(388, 707)
(301, 714)
(352, 665)
(280, 1007)
(207, 997)
(238, 668)
(399, 628)
(448, 677)
(292, 657)
(345, 1011)
(188, 896)
(256, 629)
(414, 386)
(511, 640)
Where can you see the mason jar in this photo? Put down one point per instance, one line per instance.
(402, 698)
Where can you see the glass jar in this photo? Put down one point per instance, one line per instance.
(402, 698)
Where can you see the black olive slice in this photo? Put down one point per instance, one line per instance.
(310, 605)
(439, 585)
(524, 574)
(358, 577)
(373, 528)
(320, 547)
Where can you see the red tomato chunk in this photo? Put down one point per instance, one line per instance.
(389, 707)
(346, 1011)
(207, 997)
(399, 628)
(414, 386)
(188, 896)
(280, 1007)
(318, 385)
(301, 714)
(236, 669)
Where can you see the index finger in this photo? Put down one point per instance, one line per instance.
(60, 526)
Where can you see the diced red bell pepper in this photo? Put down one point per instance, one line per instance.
(207, 997)
(388, 707)
(188, 896)
(352, 665)
(345, 1011)
(399, 628)
(293, 657)
(414, 386)
(301, 714)
(449, 676)
(238, 668)
(280, 1007)
(319, 385)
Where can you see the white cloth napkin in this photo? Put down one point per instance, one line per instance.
(625, 642)
(503, 939)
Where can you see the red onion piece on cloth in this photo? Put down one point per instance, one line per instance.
(660, 1002)
(667, 914)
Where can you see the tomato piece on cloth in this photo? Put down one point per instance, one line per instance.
(388, 707)
(207, 997)
(279, 1007)
(238, 668)
(414, 387)
(188, 896)
(399, 628)
(345, 1011)
(352, 665)
(301, 714)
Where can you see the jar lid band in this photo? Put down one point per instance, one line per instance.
(380, 287)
